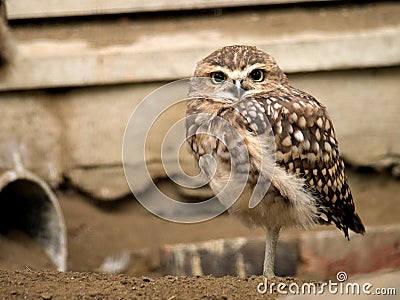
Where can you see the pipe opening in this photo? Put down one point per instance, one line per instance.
(24, 207)
(28, 205)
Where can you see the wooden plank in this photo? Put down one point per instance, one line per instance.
(22, 9)
(47, 64)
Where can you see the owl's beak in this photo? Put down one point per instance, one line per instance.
(237, 89)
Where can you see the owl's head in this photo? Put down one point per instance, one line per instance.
(234, 71)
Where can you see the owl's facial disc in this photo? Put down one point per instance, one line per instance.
(234, 84)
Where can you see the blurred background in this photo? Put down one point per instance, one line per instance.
(72, 72)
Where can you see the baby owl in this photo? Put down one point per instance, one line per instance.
(249, 128)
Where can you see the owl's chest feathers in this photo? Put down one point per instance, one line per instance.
(222, 152)
(284, 203)
(224, 172)
(239, 156)
(222, 133)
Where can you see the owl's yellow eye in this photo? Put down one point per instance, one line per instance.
(217, 77)
(257, 75)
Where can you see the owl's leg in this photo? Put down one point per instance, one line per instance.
(270, 251)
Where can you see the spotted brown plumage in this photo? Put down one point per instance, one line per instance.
(307, 146)
(287, 135)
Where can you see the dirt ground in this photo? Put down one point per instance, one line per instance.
(73, 285)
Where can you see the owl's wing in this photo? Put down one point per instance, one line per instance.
(306, 145)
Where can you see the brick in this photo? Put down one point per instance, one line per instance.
(314, 254)
(238, 257)
(324, 253)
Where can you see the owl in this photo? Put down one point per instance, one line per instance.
(268, 149)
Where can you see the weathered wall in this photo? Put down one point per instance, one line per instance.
(6, 45)
(105, 70)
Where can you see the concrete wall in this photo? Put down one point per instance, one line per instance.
(68, 97)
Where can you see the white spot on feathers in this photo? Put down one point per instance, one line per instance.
(298, 136)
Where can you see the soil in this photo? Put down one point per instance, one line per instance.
(73, 285)
(18, 250)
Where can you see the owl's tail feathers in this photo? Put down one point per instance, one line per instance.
(356, 225)
(353, 223)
